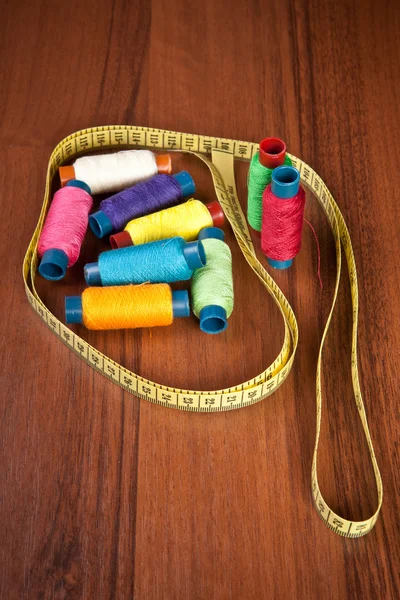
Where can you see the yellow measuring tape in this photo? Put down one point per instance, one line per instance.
(219, 155)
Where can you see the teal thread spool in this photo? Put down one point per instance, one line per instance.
(164, 261)
(212, 285)
(272, 154)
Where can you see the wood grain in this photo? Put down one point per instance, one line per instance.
(103, 496)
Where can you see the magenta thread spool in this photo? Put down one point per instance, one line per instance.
(64, 229)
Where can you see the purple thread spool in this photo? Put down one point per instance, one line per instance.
(161, 191)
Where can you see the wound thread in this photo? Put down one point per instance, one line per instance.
(282, 225)
(212, 285)
(163, 261)
(259, 176)
(65, 226)
(185, 220)
(115, 171)
(161, 191)
(127, 307)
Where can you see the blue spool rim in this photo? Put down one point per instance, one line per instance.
(100, 224)
(285, 182)
(280, 264)
(213, 319)
(209, 233)
(78, 183)
(53, 265)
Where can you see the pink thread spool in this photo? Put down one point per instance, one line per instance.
(64, 230)
(283, 215)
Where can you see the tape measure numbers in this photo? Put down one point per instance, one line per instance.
(219, 155)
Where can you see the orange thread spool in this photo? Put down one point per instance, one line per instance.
(127, 307)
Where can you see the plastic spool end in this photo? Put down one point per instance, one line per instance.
(213, 319)
(195, 255)
(164, 163)
(280, 264)
(53, 265)
(272, 152)
(217, 214)
(73, 309)
(91, 273)
(285, 182)
(211, 233)
(121, 240)
(180, 303)
(66, 174)
(100, 224)
(186, 183)
(79, 184)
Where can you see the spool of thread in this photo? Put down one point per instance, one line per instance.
(116, 171)
(64, 229)
(272, 154)
(157, 262)
(283, 214)
(127, 307)
(212, 285)
(161, 191)
(185, 220)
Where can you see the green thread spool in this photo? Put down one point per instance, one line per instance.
(212, 285)
(272, 154)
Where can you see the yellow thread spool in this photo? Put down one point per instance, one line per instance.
(185, 220)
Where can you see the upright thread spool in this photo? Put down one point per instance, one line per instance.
(64, 230)
(127, 307)
(161, 191)
(283, 215)
(212, 285)
(185, 220)
(164, 261)
(106, 173)
(272, 154)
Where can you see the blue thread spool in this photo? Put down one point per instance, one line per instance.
(54, 263)
(74, 312)
(164, 261)
(285, 184)
(213, 318)
(101, 224)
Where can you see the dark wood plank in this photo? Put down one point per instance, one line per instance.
(104, 496)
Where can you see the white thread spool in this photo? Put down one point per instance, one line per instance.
(116, 171)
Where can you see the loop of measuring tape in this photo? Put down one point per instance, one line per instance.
(222, 152)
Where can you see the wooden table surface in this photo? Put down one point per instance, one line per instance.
(105, 496)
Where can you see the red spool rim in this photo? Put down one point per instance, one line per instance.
(272, 152)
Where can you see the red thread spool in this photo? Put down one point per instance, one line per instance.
(283, 215)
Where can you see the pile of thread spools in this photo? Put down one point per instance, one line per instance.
(157, 238)
(276, 203)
